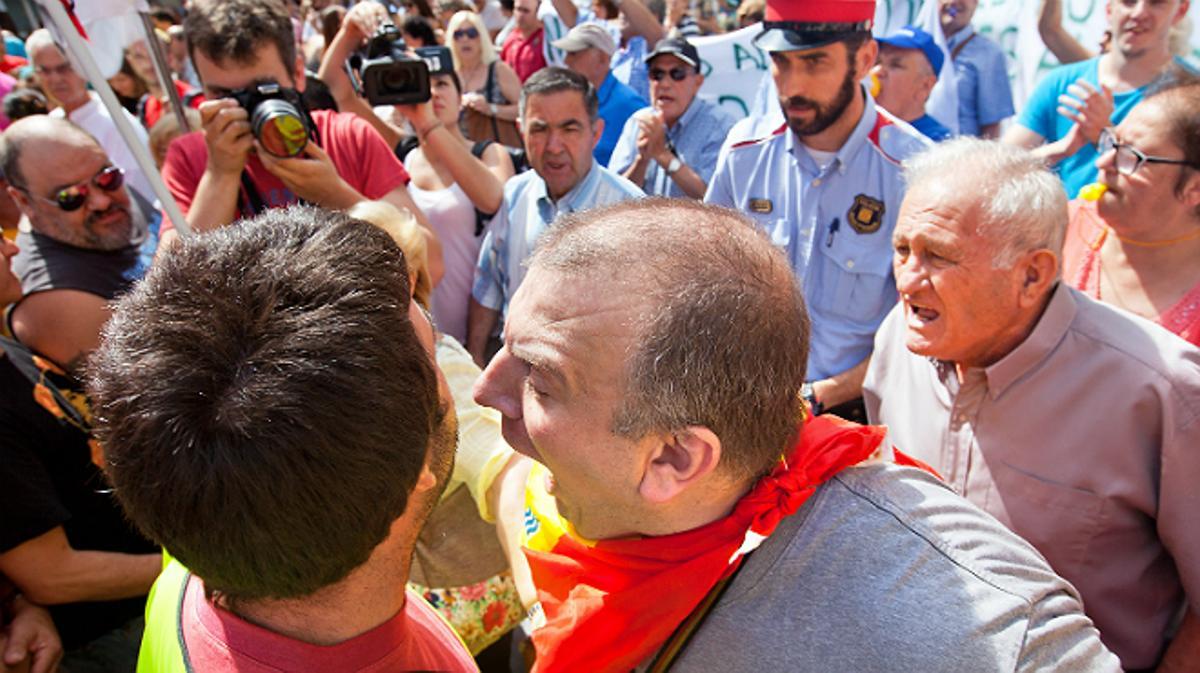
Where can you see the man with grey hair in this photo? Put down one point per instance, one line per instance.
(1073, 423)
(686, 508)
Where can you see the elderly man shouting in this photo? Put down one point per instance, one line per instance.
(1075, 424)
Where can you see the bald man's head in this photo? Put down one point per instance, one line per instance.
(40, 133)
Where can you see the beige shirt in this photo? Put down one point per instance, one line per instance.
(1085, 440)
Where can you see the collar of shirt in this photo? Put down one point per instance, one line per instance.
(1049, 331)
(578, 198)
(958, 38)
(845, 154)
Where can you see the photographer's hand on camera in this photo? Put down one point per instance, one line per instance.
(312, 177)
(228, 139)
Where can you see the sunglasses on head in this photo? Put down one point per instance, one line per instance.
(677, 73)
(470, 33)
(72, 198)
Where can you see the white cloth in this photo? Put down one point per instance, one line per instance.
(452, 216)
(94, 118)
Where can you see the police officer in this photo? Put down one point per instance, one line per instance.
(826, 185)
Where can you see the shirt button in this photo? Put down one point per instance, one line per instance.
(849, 264)
(816, 182)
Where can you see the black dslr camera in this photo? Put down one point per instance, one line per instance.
(389, 76)
(277, 117)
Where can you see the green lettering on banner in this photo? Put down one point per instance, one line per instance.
(1080, 18)
(705, 68)
(742, 54)
(721, 100)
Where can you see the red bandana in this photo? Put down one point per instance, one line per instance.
(611, 604)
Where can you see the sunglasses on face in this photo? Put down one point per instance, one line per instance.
(469, 33)
(677, 73)
(72, 198)
(1128, 158)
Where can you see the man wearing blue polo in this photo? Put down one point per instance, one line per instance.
(670, 148)
(984, 96)
(909, 62)
(559, 127)
(826, 185)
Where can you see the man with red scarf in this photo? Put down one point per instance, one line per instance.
(685, 509)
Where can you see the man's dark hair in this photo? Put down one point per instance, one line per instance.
(420, 28)
(1179, 98)
(722, 337)
(25, 102)
(264, 402)
(553, 79)
(235, 29)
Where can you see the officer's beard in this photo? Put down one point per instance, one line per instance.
(825, 115)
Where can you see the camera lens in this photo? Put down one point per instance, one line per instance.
(397, 80)
(280, 128)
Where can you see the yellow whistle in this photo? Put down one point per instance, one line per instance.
(1093, 192)
(875, 86)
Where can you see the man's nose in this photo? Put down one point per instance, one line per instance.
(499, 386)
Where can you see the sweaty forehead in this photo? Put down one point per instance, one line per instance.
(69, 158)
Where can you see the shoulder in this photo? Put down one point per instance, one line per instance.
(613, 188)
(894, 139)
(757, 140)
(516, 187)
(1063, 76)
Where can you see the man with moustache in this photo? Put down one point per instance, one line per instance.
(826, 185)
(670, 148)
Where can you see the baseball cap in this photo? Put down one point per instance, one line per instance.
(911, 37)
(789, 25)
(677, 47)
(586, 36)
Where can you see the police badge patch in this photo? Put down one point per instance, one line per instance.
(866, 214)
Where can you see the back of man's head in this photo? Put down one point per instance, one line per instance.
(722, 339)
(234, 30)
(265, 404)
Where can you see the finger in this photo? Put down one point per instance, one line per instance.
(46, 660)
(1073, 103)
(1084, 85)
(209, 108)
(314, 151)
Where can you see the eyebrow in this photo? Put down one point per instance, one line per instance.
(542, 364)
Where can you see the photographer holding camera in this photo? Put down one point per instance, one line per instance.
(260, 147)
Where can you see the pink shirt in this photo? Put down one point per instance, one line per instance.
(358, 152)
(416, 639)
(524, 54)
(1084, 440)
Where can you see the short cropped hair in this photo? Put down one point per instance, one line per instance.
(236, 29)
(553, 79)
(1023, 203)
(722, 340)
(264, 402)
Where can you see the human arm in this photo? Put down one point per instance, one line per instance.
(508, 498)
(567, 12)
(63, 325)
(28, 639)
(227, 136)
(642, 21)
(1056, 38)
(481, 180)
(841, 388)
(359, 24)
(1184, 650)
(481, 322)
(50, 572)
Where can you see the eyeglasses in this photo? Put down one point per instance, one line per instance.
(54, 70)
(72, 198)
(469, 33)
(1129, 158)
(677, 73)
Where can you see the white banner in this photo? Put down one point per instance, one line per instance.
(733, 69)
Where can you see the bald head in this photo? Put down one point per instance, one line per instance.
(42, 134)
(721, 337)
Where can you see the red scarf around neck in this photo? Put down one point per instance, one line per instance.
(609, 605)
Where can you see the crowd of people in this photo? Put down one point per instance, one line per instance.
(564, 367)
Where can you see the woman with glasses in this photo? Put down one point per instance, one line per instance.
(489, 106)
(1136, 245)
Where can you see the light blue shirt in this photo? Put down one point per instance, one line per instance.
(834, 223)
(526, 212)
(696, 136)
(984, 95)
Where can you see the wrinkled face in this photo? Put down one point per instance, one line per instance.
(815, 86)
(57, 76)
(444, 98)
(592, 63)
(220, 79)
(559, 138)
(668, 95)
(525, 12)
(956, 14)
(10, 286)
(557, 384)
(905, 79)
(104, 222)
(956, 306)
(1141, 25)
(1151, 188)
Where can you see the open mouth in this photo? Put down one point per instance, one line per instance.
(919, 315)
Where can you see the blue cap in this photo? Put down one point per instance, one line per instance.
(911, 37)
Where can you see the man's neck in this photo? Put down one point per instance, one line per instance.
(832, 138)
(1008, 341)
(72, 106)
(1126, 72)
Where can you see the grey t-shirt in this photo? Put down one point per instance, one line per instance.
(886, 569)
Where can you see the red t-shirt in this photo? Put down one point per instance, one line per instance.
(416, 639)
(358, 152)
(9, 63)
(524, 54)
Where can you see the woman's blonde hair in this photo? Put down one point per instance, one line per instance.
(404, 230)
(487, 50)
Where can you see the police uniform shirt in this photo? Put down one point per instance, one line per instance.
(834, 223)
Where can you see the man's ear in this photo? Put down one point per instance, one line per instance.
(21, 200)
(426, 481)
(678, 461)
(865, 59)
(1190, 194)
(1040, 269)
